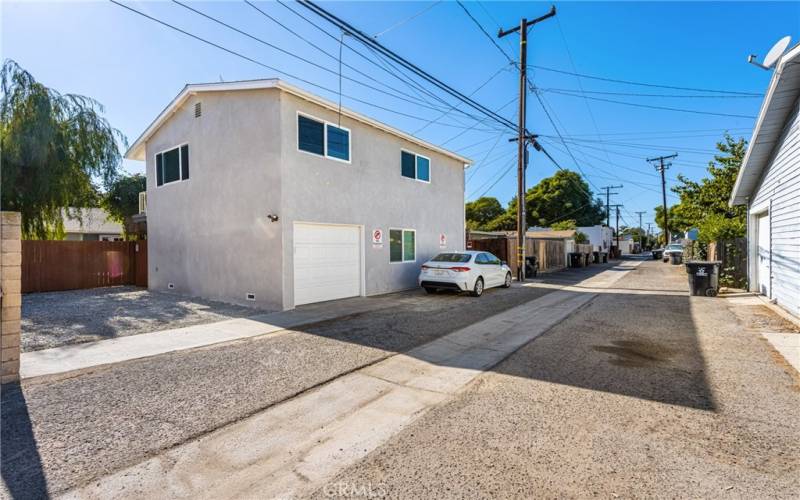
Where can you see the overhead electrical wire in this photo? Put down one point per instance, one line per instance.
(651, 106)
(644, 94)
(275, 69)
(367, 40)
(642, 84)
(404, 21)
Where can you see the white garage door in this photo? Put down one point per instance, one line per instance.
(327, 262)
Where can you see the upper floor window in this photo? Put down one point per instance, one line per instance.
(322, 138)
(172, 165)
(415, 166)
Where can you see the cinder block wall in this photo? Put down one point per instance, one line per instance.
(11, 300)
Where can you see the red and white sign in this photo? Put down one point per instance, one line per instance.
(377, 237)
(442, 240)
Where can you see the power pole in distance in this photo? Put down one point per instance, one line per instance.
(641, 236)
(522, 133)
(661, 167)
(608, 201)
(617, 223)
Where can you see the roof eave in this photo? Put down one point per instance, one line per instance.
(137, 149)
(740, 195)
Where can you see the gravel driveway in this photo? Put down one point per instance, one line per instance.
(54, 319)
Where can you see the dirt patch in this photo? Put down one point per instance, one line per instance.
(763, 319)
(635, 353)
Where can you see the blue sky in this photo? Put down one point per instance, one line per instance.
(134, 67)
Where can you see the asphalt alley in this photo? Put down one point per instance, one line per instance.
(293, 448)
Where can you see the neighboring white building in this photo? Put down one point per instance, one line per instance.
(769, 184)
(90, 224)
(261, 193)
(600, 237)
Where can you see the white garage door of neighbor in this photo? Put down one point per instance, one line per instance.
(763, 255)
(327, 262)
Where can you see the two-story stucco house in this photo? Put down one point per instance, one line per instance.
(261, 193)
(769, 184)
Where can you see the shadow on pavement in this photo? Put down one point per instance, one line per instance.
(20, 463)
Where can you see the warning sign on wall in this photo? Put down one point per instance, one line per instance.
(442, 240)
(377, 238)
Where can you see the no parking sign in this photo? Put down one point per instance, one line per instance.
(377, 238)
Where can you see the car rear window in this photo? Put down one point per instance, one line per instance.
(675, 247)
(452, 257)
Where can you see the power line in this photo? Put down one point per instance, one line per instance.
(490, 37)
(272, 68)
(642, 84)
(644, 94)
(649, 106)
(404, 21)
(369, 41)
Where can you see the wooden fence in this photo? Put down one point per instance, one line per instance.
(549, 253)
(49, 266)
(733, 255)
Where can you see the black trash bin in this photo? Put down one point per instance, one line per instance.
(604, 257)
(597, 258)
(675, 258)
(657, 254)
(575, 259)
(703, 277)
(531, 266)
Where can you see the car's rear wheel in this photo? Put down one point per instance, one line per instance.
(477, 290)
(430, 289)
(507, 282)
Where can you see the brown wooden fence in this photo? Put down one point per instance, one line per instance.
(733, 254)
(549, 253)
(49, 266)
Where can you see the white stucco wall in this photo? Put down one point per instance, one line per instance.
(210, 235)
(369, 191)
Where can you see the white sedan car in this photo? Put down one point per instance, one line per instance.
(471, 271)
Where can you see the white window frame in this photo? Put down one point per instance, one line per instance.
(324, 138)
(180, 165)
(402, 245)
(416, 166)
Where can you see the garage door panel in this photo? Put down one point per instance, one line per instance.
(327, 262)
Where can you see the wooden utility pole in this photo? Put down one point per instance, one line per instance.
(662, 167)
(522, 135)
(608, 201)
(617, 224)
(641, 229)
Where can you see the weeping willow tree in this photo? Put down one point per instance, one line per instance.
(57, 151)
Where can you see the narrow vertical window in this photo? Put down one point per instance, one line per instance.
(159, 170)
(338, 143)
(407, 168)
(423, 169)
(184, 162)
(310, 135)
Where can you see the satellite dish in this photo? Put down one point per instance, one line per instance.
(776, 51)
(773, 55)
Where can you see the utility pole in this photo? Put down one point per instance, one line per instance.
(661, 167)
(617, 223)
(608, 201)
(522, 136)
(641, 236)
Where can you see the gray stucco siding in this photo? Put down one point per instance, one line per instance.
(209, 235)
(779, 193)
(368, 192)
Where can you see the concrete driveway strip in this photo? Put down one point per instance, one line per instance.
(295, 447)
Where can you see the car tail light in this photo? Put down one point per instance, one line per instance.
(425, 267)
(459, 269)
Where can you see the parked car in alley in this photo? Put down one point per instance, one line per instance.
(672, 248)
(470, 271)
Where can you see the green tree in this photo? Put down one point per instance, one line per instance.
(481, 212)
(122, 199)
(57, 150)
(704, 205)
(564, 194)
